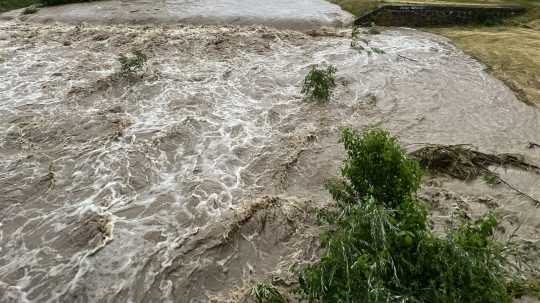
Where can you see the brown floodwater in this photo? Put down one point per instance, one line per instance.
(284, 14)
(190, 182)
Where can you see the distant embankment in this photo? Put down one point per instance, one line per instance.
(436, 14)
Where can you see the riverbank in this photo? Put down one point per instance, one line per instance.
(511, 50)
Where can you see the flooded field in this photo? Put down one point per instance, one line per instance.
(197, 177)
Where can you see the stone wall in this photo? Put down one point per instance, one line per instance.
(436, 15)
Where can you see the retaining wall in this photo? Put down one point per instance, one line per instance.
(436, 15)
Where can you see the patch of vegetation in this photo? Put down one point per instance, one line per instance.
(264, 293)
(378, 51)
(319, 83)
(32, 9)
(132, 63)
(379, 246)
(6, 5)
(377, 167)
(527, 287)
(491, 179)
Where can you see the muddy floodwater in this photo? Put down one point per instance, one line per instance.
(284, 14)
(188, 182)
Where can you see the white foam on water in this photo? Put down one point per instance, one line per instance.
(216, 120)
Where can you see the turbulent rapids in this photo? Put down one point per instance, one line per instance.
(198, 177)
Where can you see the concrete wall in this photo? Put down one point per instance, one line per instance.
(436, 15)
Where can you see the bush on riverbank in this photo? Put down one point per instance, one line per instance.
(379, 246)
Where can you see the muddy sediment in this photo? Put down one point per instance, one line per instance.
(200, 175)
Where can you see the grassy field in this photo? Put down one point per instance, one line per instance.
(511, 50)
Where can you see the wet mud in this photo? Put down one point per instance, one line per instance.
(201, 175)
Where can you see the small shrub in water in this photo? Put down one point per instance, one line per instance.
(319, 83)
(132, 63)
(264, 293)
(491, 179)
(378, 50)
(379, 247)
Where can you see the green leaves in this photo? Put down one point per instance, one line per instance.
(377, 166)
(264, 293)
(379, 247)
(319, 84)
